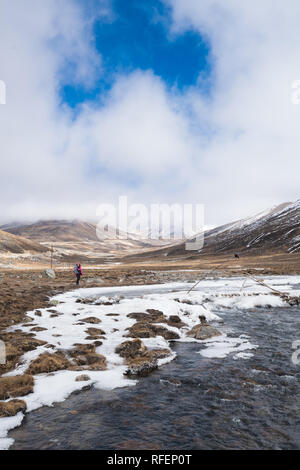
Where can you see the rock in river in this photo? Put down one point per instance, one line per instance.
(203, 331)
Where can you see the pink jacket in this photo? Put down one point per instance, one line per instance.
(78, 269)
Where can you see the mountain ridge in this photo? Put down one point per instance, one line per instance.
(275, 229)
(11, 243)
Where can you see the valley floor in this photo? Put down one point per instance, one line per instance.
(27, 288)
(58, 358)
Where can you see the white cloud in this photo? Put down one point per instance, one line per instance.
(253, 158)
(56, 165)
(39, 41)
(237, 152)
(139, 128)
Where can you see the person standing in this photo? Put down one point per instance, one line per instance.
(78, 273)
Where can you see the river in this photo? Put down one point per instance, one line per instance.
(193, 402)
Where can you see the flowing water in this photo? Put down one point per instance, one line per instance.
(191, 403)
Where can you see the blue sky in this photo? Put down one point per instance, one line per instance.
(137, 35)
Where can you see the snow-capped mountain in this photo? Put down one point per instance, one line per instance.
(274, 230)
(277, 228)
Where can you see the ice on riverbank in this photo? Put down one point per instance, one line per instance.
(66, 322)
(6, 424)
(221, 346)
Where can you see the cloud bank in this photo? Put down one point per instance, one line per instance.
(234, 149)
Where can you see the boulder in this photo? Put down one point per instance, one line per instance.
(49, 273)
(203, 331)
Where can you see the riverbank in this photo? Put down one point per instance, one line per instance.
(95, 329)
(25, 290)
(191, 403)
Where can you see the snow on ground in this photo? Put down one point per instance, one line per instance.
(6, 424)
(66, 329)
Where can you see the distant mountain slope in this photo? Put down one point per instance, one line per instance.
(14, 244)
(78, 238)
(274, 229)
(54, 231)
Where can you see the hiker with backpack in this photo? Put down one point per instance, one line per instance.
(78, 272)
